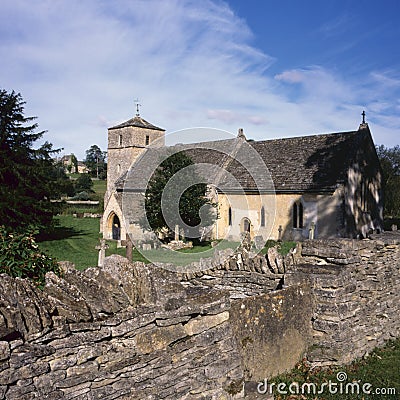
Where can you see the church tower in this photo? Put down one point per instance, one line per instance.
(126, 142)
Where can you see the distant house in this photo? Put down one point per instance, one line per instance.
(321, 186)
(82, 168)
(72, 165)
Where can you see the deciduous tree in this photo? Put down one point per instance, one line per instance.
(96, 162)
(390, 162)
(195, 208)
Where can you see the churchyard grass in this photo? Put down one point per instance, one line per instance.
(72, 239)
(380, 369)
(283, 247)
(75, 239)
(99, 187)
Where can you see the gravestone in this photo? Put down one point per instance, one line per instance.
(129, 248)
(102, 252)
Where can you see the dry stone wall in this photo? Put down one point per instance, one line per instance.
(243, 274)
(135, 331)
(355, 287)
(90, 336)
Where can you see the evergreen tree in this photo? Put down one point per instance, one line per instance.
(28, 179)
(195, 208)
(83, 183)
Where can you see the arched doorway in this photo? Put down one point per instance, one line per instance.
(114, 227)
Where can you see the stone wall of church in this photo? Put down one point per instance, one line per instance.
(119, 161)
(325, 211)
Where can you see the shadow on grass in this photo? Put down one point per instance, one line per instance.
(57, 232)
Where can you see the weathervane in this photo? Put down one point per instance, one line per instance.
(137, 107)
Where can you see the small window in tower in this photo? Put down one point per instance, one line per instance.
(147, 140)
(230, 216)
(119, 140)
(119, 168)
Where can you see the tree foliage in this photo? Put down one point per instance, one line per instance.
(390, 163)
(28, 177)
(20, 256)
(84, 183)
(195, 208)
(96, 162)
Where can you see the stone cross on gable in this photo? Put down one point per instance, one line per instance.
(363, 115)
(102, 252)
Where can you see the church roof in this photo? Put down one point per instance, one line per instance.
(317, 163)
(312, 163)
(138, 122)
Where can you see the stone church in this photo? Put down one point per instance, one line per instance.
(318, 186)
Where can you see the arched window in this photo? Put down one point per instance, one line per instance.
(230, 216)
(262, 216)
(119, 140)
(298, 215)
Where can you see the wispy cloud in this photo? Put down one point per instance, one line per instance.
(336, 26)
(388, 79)
(80, 65)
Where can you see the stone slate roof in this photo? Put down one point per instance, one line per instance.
(312, 163)
(138, 122)
(317, 163)
(210, 153)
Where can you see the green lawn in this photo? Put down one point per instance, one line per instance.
(381, 369)
(186, 256)
(73, 239)
(99, 186)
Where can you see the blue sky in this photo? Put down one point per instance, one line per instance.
(274, 68)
